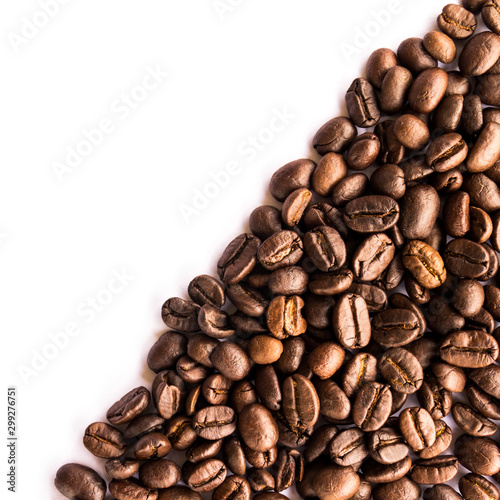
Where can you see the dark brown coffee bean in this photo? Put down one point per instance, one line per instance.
(446, 152)
(200, 348)
(391, 150)
(286, 469)
(191, 371)
(480, 455)
(360, 369)
(481, 225)
(180, 432)
(361, 102)
(491, 16)
(419, 211)
(441, 492)
(472, 422)
(434, 398)
(335, 481)
(258, 428)
(231, 360)
(280, 250)
(143, 424)
(458, 84)
(415, 170)
(300, 402)
(204, 450)
(351, 321)
(214, 322)
(378, 64)
(234, 456)
(411, 132)
(236, 487)
(372, 406)
(129, 488)
(425, 264)
(395, 327)
(417, 293)
(373, 257)
(331, 169)
(159, 474)
(291, 357)
(478, 487)
(326, 359)
(447, 182)
(206, 290)
(376, 472)
(363, 151)
(486, 405)
(78, 481)
(284, 317)
(424, 348)
(334, 404)
(388, 180)
(457, 22)
(487, 89)
(349, 447)
(166, 351)
(480, 53)
(332, 283)
(371, 214)
(260, 480)
(488, 378)
(468, 297)
(395, 87)
(428, 90)
(238, 259)
(267, 386)
(436, 470)
(205, 476)
(292, 176)
(152, 445)
(261, 459)
(486, 150)
(180, 314)
(104, 440)
(129, 406)
(440, 46)
(350, 188)
(482, 321)
(325, 247)
(387, 446)
(247, 299)
(465, 258)
(456, 218)
(484, 193)
(402, 370)
(417, 427)
(449, 113)
(178, 493)
(265, 221)
(216, 389)
(413, 55)
(402, 489)
(122, 468)
(290, 280)
(319, 444)
(169, 393)
(192, 399)
(295, 205)
(334, 136)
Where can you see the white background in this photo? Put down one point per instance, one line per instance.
(120, 209)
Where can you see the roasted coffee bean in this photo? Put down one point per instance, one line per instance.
(264, 349)
(122, 468)
(238, 259)
(319, 444)
(457, 22)
(130, 488)
(413, 55)
(231, 360)
(286, 469)
(411, 132)
(491, 16)
(333, 137)
(488, 378)
(486, 405)
(361, 102)
(472, 115)
(267, 387)
(417, 427)
(206, 290)
(203, 450)
(480, 455)
(387, 446)
(415, 170)
(351, 187)
(291, 357)
(395, 87)
(332, 283)
(349, 447)
(486, 150)
(424, 263)
(482, 321)
(129, 406)
(402, 489)
(441, 492)
(425, 348)
(478, 487)
(378, 65)
(236, 487)
(372, 406)
(324, 214)
(492, 301)
(284, 318)
(391, 150)
(234, 456)
(371, 214)
(363, 151)
(166, 351)
(334, 403)
(247, 299)
(199, 349)
(456, 218)
(436, 470)
(180, 314)
(376, 472)
(295, 205)
(180, 432)
(484, 193)
(260, 480)
(440, 46)
(325, 247)
(261, 459)
(434, 398)
(104, 440)
(450, 377)
(247, 325)
(388, 180)
(481, 225)
(335, 481)
(190, 370)
(417, 293)
(288, 281)
(265, 221)
(143, 424)
(300, 402)
(159, 474)
(444, 436)
(447, 182)
(214, 422)
(487, 89)
(419, 211)
(282, 249)
(373, 257)
(258, 428)
(152, 445)
(215, 389)
(402, 370)
(469, 349)
(360, 369)
(79, 481)
(270, 496)
(204, 476)
(428, 90)
(326, 359)
(292, 176)
(468, 297)
(446, 152)
(331, 169)
(374, 296)
(214, 322)
(472, 422)
(395, 327)
(351, 321)
(442, 317)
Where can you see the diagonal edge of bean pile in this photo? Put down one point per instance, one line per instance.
(297, 379)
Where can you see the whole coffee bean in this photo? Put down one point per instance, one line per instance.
(242, 394)
(363, 151)
(326, 359)
(349, 447)
(129, 406)
(442, 317)
(319, 444)
(456, 218)
(402, 489)
(484, 193)
(465, 258)
(486, 150)
(486, 405)
(395, 87)
(387, 446)
(482, 321)
(180, 314)
(361, 103)
(481, 225)
(216, 389)
(291, 357)
(290, 280)
(200, 348)
(446, 152)
(428, 90)
(458, 84)
(472, 422)
(373, 256)
(205, 476)
(236, 487)
(282, 249)
(424, 263)
(402, 370)
(143, 424)
(264, 349)
(292, 176)
(259, 278)
(247, 299)
(351, 187)
(372, 406)
(166, 351)
(204, 450)
(488, 378)
(491, 16)
(295, 205)
(375, 297)
(261, 459)
(419, 211)
(324, 214)
(190, 371)
(335, 482)
(122, 468)
(331, 169)
(104, 440)
(332, 283)
(180, 432)
(391, 150)
(434, 398)
(468, 297)
(178, 493)
(491, 115)
(258, 428)
(469, 349)
(376, 472)
(284, 316)
(440, 46)
(152, 445)
(457, 22)
(444, 436)
(424, 349)
(447, 182)
(450, 377)
(231, 360)
(478, 487)
(480, 455)
(238, 259)
(264, 221)
(288, 469)
(267, 386)
(371, 214)
(334, 136)
(472, 116)
(411, 132)
(207, 290)
(325, 247)
(351, 321)
(214, 422)
(395, 327)
(441, 492)
(417, 427)
(413, 55)
(78, 481)
(492, 301)
(436, 470)
(129, 488)
(260, 480)
(417, 293)
(334, 404)
(159, 474)
(214, 322)
(360, 369)
(234, 456)
(416, 170)
(300, 402)
(378, 65)
(449, 113)
(388, 180)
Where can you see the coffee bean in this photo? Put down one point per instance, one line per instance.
(372, 406)
(419, 211)
(264, 349)
(234, 456)
(349, 188)
(465, 258)
(476, 486)
(334, 403)
(326, 359)
(417, 427)
(361, 102)
(205, 476)
(78, 481)
(199, 349)
(436, 470)
(428, 90)
(216, 388)
(331, 169)
(395, 327)
(484, 193)
(434, 398)
(258, 428)
(486, 405)
(206, 290)
(402, 489)
(247, 299)
(292, 176)
(444, 436)
(129, 406)
(391, 150)
(104, 440)
(300, 402)
(450, 377)
(371, 214)
(411, 132)
(480, 455)
(394, 91)
(402, 370)
(332, 283)
(287, 465)
(190, 371)
(267, 386)
(143, 424)
(180, 314)
(335, 481)
(261, 459)
(457, 22)
(264, 221)
(180, 432)
(373, 257)
(351, 321)
(387, 446)
(290, 280)
(130, 488)
(260, 480)
(349, 447)
(166, 351)
(440, 46)
(424, 263)
(441, 492)
(326, 248)
(378, 65)
(413, 55)
(488, 378)
(472, 422)
(319, 444)
(159, 474)
(152, 445)
(238, 259)
(469, 349)
(360, 369)
(487, 89)
(481, 225)
(214, 322)
(363, 151)
(333, 137)
(204, 450)
(282, 249)
(491, 16)
(295, 205)
(231, 360)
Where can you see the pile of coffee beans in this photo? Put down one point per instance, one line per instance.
(350, 320)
